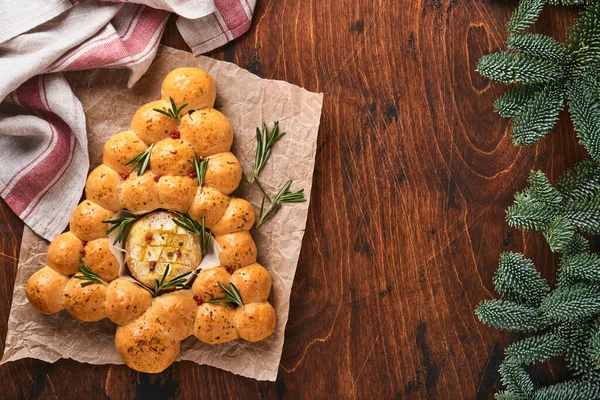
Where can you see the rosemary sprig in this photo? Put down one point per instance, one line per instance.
(178, 281)
(232, 295)
(264, 143)
(88, 277)
(201, 167)
(141, 161)
(172, 112)
(283, 196)
(121, 224)
(199, 228)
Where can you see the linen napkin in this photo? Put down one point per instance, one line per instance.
(43, 144)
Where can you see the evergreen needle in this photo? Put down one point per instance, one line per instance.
(232, 295)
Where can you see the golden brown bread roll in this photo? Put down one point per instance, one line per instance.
(238, 249)
(100, 260)
(177, 192)
(125, 301)
(239, 216)
(208, 131)
(44, 290)
(224, 172)
(215, 323)
(85, 303)
(175, 312)
(146, 347)
(172, 157)
(86, 221)
(209, 203)
(255, 321)
(140, 193)
(64, 253)
(253, 282)
(103, 187)
(206, 283)
(191, 86)
(120, 149)
(152, 126)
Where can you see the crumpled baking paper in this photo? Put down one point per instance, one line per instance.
(247, 101)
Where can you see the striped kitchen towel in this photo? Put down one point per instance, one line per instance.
(43, 144)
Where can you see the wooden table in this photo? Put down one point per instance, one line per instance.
(406, 222)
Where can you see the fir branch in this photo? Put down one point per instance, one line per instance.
(201, 166)
(176, 282)
(88, 276)
(525, 15)
(511, 316)
(141, 161)
(284, 195)
(172, 112)
(516, 279)
(264, 144)
(231, 295)
(199, 228)
(121, 224)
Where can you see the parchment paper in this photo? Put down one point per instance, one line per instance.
(247, 101)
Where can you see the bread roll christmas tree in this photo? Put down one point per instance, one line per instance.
(175, 171)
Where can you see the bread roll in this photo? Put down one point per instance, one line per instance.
(177, 192)
(206, 283)
(253, 282)
(210, 204)
(239, 216)
(176, 313)
(191, 86)
(215, 323)
(44, 290)
(100, 260)
(86, 221)
(208, 131)
(125, 301)
(103, 187)
(238, 248)
(84, 302)
(120, 149)
(146, 347)
(152, 126)
(224, 172)
(172, 157)
(255, 321)
(64, 253)
(140, 193)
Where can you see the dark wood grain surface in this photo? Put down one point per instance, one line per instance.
(406, 223)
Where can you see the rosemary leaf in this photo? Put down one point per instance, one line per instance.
(172, 112)
(201, 168)
(190, 224)
(232, 295)
(121, 224)
(88, 277)
(178, 281)
(283, 196)
(141, 161)
(264, 144)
